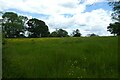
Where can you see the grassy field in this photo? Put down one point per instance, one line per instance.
(84, 57)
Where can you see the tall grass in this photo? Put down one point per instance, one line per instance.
(84, 57)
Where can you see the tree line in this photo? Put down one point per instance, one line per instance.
(14, 26)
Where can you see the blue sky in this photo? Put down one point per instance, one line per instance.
(89, 16)
(103, 5)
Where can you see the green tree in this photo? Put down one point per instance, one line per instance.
(91, 35)
(22, 20)
(54, 34)
(114, 28)
(76, 33)
(38, 28)
(59, 33)
(62, 33)
(12, 24)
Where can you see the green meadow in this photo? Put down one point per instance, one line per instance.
(83, 57)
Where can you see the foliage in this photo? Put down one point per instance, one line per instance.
(54, 34)
(59, 33)
(38, 28)
(62, 33)
(23, 20)
(10, 17)
(76, 33)
(12, 24)
(15, 26)
(114, 28)
(116, 8)
(84, 57)
(91, 35)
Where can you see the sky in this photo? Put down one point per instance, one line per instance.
(89, 16)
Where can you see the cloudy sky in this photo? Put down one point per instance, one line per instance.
(89, 16)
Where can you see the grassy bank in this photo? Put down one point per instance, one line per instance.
(85, 57)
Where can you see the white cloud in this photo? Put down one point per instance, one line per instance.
(95, 21)
(90, 2)
(43, 6)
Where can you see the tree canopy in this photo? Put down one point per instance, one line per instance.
(11, 25)
(59, 33)
(15, 25)
(114, 28)
(38, 28)
(76, 33)
(93, 34)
